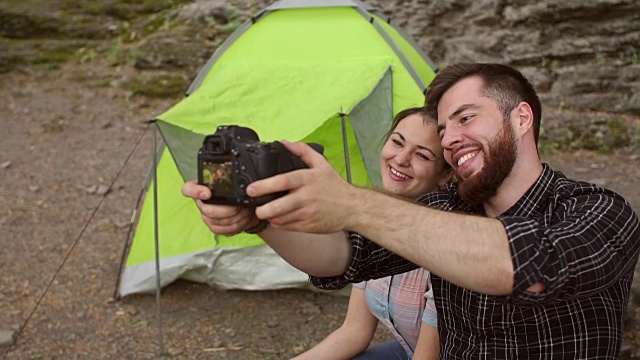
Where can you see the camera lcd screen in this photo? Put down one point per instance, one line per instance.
(218, 177)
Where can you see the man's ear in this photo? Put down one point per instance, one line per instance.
(524, 118)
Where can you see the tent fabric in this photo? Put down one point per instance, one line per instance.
(369, 119)
(299, 72)
(224, 266)
(324, 87)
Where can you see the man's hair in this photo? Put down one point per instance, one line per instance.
(502, 83)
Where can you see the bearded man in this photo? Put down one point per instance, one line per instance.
(525, 262)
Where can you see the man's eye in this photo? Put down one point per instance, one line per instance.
(466, 118)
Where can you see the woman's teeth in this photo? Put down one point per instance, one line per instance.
(398, 174)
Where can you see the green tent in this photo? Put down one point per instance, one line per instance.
(332, 72)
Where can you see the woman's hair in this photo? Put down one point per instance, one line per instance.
(427, 115)
(502, 83)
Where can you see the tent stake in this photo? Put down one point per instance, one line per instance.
(157, 243)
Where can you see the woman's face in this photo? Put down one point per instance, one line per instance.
(412, 161)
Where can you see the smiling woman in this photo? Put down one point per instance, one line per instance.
(411, 161)
(411, 164)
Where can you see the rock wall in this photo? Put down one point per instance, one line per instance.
(581, 54)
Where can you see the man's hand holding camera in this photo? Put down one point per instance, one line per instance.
(313, 194)
(220, 219)
(234, 157)
(317, 199)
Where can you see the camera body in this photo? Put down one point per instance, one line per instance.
(233, 157)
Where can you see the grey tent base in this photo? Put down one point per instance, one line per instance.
(250, 268)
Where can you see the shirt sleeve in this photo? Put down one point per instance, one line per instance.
(369, 261)
(360, 285)
(430, 314)
(587, 244)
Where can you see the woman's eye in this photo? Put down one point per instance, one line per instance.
(396, 142)
(422, 156)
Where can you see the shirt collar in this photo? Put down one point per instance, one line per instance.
(533, 203)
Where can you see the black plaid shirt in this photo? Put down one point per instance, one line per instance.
(581, 240)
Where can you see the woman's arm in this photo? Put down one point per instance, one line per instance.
(428, 345)
(352, 337)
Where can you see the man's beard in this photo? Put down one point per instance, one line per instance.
(498, 162)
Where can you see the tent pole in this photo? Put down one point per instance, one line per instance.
(157, 243)
(345, 145)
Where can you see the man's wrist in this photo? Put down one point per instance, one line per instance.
(260, 226)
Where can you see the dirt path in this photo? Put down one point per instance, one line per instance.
(66, 133)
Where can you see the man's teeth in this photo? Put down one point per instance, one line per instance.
(464, 159)
(398, 174)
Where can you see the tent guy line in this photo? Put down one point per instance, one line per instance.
(75, 243)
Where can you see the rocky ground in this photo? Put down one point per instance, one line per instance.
(75, 150)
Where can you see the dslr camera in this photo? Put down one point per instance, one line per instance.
(233, 157)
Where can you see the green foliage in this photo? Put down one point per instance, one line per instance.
(164, 86)
(140, 324)
(234, 15)
(151, 6)
(121, 54)
(618, 132)
(20, 207)
(53, 127)
(91, 7)
(547, 146)
(603, 135)
(84, 55)
(210, 20)
(155, 23)
(635, 56)
(253, 7)
(601, 58)
(234, 18)
(230, 27)
(51, 58)
(546, 62)
(442, 64)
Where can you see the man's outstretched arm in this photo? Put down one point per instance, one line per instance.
(315, 254)
(469, 251)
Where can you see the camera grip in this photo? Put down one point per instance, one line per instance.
(297, 163)
(317, 147)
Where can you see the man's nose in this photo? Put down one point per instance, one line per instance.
(451, 138)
